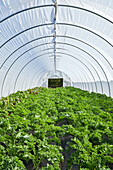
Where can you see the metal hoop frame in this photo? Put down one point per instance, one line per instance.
(43, 6)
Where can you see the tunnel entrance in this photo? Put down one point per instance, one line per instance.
(55, 82)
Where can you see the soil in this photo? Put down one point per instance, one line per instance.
(64, 141)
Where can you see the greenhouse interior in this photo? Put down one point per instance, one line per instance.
(56, 84)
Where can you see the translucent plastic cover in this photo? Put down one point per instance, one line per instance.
(42, 38)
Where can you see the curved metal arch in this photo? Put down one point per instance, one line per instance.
(83, 64)
(39, 78)
(51, 43)
(52, 5)
(86, 60)
(18, 58)
(74, 75)
(91, 65)
(57, 36)
(60, 43)
(65, 73)
(89, 46)
(57, 24)
(92, 32)
(33, 77)
(81, 79)
(27, 9)
(26, 65)
(43, 55)
(24, 53)
(75, 25)
(9, 70)
(90, 11)
(85, 78)
(36, 77)
(75, 46)
(66, 44)
(86, 83)
(82, 84)
(23, 46)
(36, 26)
(47, 36)
(84, 9)
(49, 23)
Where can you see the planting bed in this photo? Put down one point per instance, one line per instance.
(53, 129)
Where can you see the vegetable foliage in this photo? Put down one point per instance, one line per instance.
(38, 125)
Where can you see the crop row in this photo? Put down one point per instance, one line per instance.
(62, 128)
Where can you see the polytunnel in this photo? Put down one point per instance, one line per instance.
(63, 38)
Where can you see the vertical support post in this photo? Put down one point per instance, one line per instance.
(55, 35)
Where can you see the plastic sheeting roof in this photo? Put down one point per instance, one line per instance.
(74, 37)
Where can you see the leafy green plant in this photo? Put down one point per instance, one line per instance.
(40, 126)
